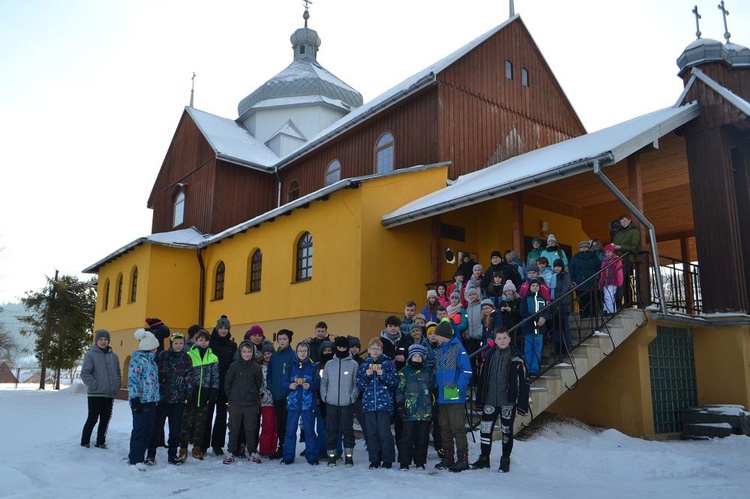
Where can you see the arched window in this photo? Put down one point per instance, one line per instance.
(293, 192)
(304, 257)
(133, 284)
(384, 154)
(333, 172)
(179, 210)
(525, 77)
(219, 282)
(256, 266)
(118, 292)
(105, 303)
(509, 70)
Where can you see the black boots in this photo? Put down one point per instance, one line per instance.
(481, 463)
(462, 463)
(504, 465)
(446, 462)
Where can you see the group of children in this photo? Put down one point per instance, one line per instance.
(415, 375)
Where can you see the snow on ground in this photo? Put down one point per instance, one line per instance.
(41, 457)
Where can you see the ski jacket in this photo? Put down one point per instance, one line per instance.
(280, 363)
(529, 306)
(452, 372)
(583, 265)
(266, 399)
(414, 393)
(301, 399)
(101, 372)
(517, 382)
(206, 375)
(377, 389)
(474, 321)
(224, 349)
(176, 376)
(392, 348)
(613, 275)
(338, 384)
(243, 382)
(143, 377)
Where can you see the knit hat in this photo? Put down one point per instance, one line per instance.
(101, 333)
(477, 266)
(429, 328)
(156, 326)
(147, 340)
(456, 294)
(536, 240)
(175, 336)
(255, 330)
(487, 303)
(509, 286)
(432, 293)
(444, 329)
(326, 344)
(472, 291)
(246, 343)
(223, 322)
(354, 342)
(415, 326)
(415, 349)
(558, 263)
(584, 243)
(341, 341)
(267, 346)
(610, 247)
(533, 267)
(496, 253)
(551, 239)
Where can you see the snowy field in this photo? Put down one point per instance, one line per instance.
(41, 457)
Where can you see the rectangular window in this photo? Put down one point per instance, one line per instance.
(525, 77)
(509, 70)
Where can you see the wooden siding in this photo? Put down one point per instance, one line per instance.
(413, 124)
(486, 118)
(240, 194)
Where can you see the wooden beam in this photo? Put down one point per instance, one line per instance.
(688, 280)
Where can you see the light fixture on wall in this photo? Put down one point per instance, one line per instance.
(450, 256)
(544, 226)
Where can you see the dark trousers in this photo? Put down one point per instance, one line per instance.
(453, 427)
(143, 428)
(217, 436)
(279, 409)
(507, 415)
(360, 417)
(586, 303)
(561, 331)
(243, 418)
(290, 439)
(193, 423)
(173, 413)
(379, 437)
(100, 408)
(437, 438)
(415, 438)
(339, 421)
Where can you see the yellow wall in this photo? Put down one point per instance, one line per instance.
(567, 230)
(722, 365)
(617, 392)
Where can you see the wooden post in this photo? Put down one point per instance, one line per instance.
(635, 195)
(517, 223)
(436, 256)
(688, 276)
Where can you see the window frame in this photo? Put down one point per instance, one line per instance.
(178, 208)
(133, 284)
(219, 280)
(292, 192)
(333, 169)
(525, 78)
(303, 257)
(508, 69)
(118, 291)
(105, 302)
(383, 147)
(255, 271)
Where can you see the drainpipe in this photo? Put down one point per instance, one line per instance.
(642, 219)
(202, 291)
(278, 177)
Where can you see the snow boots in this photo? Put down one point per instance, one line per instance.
(481, 463)
(183, 455)
(504, 465)
(348, 457)
(331, 458)
(446, 462)
(197, 454)
(462, 463)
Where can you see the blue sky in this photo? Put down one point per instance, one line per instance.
(91, 91)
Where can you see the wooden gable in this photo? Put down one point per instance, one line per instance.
(486, 117)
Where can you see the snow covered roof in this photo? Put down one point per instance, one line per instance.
(176, 238)
(193, 238)
(548, 164)
(404, 89)
(231, 142)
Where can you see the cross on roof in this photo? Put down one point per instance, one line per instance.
(725, 13)
(697, 18)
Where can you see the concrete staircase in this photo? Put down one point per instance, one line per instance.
(553, 384)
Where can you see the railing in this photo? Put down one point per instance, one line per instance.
(682, 288)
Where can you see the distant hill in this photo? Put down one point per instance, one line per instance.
(10, 323)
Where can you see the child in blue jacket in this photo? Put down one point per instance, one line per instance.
(303, 382)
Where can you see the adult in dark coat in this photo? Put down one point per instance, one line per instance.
(224, 347)
(583, 265)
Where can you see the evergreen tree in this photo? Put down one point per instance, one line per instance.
(61, 318)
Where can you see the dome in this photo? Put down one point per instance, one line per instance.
(303, 77)
(738, 55)
(700, 51)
